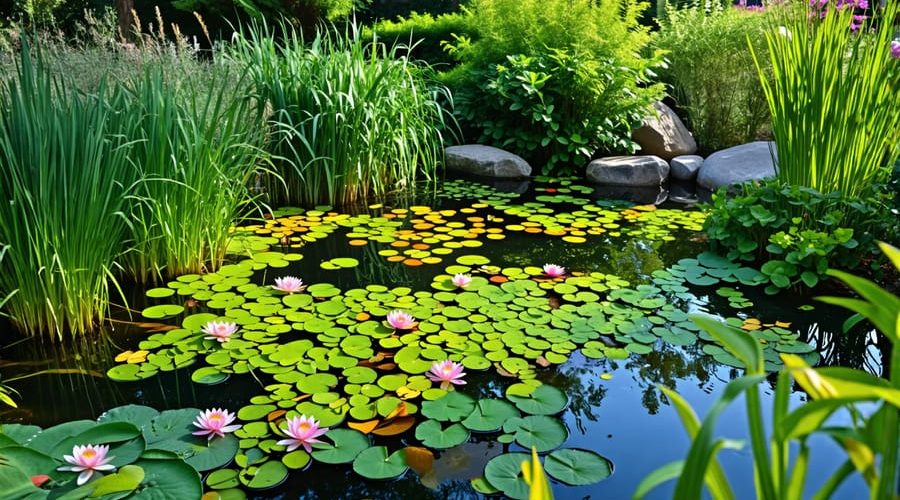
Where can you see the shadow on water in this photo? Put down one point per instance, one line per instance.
(615, 406)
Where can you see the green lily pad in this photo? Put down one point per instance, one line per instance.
(504, 472)
(375, 463)
(453, 407)
(539, 431)
(433, 435)
(162, 311)
(347, 444)
(489, 415)
(543, 400)
(577, 467)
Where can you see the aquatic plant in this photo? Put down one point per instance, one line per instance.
(554, 271)
(86, 460)
(460, 280)
(220, 331)
(830, 389)
(401, 320)
(447, 372)
(197, 145)
(832, 93)
(289, 284)
(301, 431)
(214, 422)
(64, 180)
(350, 118)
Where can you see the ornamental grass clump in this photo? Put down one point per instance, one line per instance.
(348, 118)
(834, 94)
(64, 178)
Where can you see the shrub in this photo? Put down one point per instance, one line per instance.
(64, 180)
(797, 232)
(558, 72)
(425, 35)
(349, 119)
(306, 12)
(711, 71)
(833, 95)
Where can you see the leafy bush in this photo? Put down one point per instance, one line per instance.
(565, 78)
(349, 119)
(425, 34)
(833, 95)
(867, 437)
(306, 12)
(711, 71)
(797, 232)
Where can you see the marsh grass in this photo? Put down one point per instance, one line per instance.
(833, 96)
(197, 148)
(350, 118)
(64, 180)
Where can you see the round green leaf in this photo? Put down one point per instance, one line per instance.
(375, 463)
(577, 467)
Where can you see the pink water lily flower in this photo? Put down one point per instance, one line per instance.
(461, 280)
(895, 49)
(447, 372)
(301, 431)
(401, 320)
(219, 330)
(289, 284)
(554, 271)
(87, 459)
(214, 422)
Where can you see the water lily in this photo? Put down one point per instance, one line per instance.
(554, 271)
(289, 284)
(400, 320)
(87, 459)
(302, 431)
(461, 280)
(447, 372)
(895, 49)
(219, 330)
(214, 422)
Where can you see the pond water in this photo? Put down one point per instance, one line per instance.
(605, 336)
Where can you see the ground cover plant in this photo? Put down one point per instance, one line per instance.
(562, 79)
(349, 118)
(711, 73)
(832, 95)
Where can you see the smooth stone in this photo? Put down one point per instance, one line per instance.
(486, 161)
(663, 134)
(738, 164)
(628, 171)
(683, 192)
(685, 167)
(654, 195)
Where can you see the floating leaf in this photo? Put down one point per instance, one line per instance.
(375, 463)
(577, 467)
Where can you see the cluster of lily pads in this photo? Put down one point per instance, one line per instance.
(353, 366)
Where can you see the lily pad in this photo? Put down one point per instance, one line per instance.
(347, 444)
(577, 467)
(543, 400)
(453, 407)
(489, 415)
(375, 463)
(504, 472)
(433, 435)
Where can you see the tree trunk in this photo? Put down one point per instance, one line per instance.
(124, 10)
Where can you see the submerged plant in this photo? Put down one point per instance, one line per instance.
(86, 460)
(214, 422)
(350, 118)
(301, 431)
(447, 372)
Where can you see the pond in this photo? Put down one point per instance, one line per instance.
(567, 364)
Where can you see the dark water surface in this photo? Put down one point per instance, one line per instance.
(624, 418)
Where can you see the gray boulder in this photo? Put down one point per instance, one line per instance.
(628, 171)
(486, 161)
(663, 134)
(685, 167)
(738, 164)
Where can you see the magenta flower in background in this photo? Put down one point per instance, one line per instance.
(447, 372)
(554, 271)
(895, 49)
(87, 459)
(214, 423)
(289, 284)
(219, 330)
(301, 431)
(401, 320)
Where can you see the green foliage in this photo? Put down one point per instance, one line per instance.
(711, 72)
(864, 438)
(564, 77)
(426, 36)
(66, 174)
(306, 12)
(833, 96)
(197, 146)
(798, 232)
(349, 119)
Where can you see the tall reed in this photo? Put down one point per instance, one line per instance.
(349, 118)
(834, 96)
(64, 177)
(196, 144)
